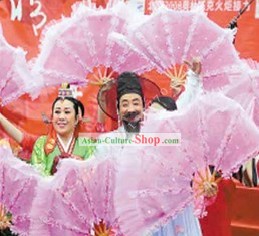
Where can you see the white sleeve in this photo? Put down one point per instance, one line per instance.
(193, 88)
(101, 150)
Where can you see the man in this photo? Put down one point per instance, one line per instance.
(132, 97)
(130, 101)
(128, 109)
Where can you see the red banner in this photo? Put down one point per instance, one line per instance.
(24, 20)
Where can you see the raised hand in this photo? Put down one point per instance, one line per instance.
(194, 65)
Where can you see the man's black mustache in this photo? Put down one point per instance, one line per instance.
(130, 115)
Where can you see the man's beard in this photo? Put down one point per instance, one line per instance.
(132, 127)
(132, 122)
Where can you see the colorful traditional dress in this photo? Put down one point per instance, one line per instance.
(45, 163)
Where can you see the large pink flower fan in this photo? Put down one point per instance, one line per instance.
(73, 47)
(215, 131)
(170, 37)
(93, 195)
(79, 201)
(245, 92)
(18, 182)
(148, 193)
(14, 73)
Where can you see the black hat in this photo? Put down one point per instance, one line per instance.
(166, 102)
(128, 82)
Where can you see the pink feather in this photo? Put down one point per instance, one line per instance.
(81, 195)
(72, 47)
(15, 75)
(18, 183)
(169, 37)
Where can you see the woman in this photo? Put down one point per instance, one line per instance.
(26, 140)
(62, 141)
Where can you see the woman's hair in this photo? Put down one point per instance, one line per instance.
(81, 106)
(71, 99)
(166, 102)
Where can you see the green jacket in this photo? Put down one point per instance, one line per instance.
(44, 162)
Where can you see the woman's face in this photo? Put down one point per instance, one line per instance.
(64, 118)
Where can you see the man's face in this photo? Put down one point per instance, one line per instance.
(131, 108)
